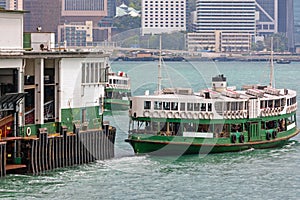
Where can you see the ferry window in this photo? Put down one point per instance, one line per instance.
(218, 107)
(228, 106)
(262, 104)
(288, 102)
(203, 106)
(282, 102)
(147, 104)
(209, 107)
(157, 105)
(166, 105)
(270, 103)
(189, 106)
(174, 106)
(196, 106)
(182, 106)
(277, 103)
(240, 105)
(233, 106)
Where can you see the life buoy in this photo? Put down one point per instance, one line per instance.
(237, 114)
(162, 114)
(155, 114)
(233, 115)
(176, 115)
(211, 115)
(206, 116)
(225, 115)
(183, 115)
(274, 134)
(241, 114)
(163, 134)
(170, 115)
(268, 135)
(228, 115)
(28, 131)
(201, 115)
(242, 138)
(196, 116)
(233, 138)
(146, 113)
(189, 115)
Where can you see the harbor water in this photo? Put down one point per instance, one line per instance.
(252, 174)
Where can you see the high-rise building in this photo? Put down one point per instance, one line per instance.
(276, 16)
(65, 13)
(227, 25)
(43, 14)
(164, 16)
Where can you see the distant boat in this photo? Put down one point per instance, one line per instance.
(283, 61)
(117, 91)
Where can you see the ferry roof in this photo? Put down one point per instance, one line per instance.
(218, 96)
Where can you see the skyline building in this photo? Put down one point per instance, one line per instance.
(275, 16)
(68, 14)
(227, 25)
(164, 16)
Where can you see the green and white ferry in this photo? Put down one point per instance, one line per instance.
(215, 120)
(117, 91)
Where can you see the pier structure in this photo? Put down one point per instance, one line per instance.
(51, 103)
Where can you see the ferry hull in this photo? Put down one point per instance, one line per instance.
(177, 145)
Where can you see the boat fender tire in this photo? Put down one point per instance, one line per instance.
(242, 138)
(233, 138)
(28, 131)
(268, 135)
(274, 134)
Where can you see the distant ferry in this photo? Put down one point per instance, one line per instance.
(283, 61)
(117, 91)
